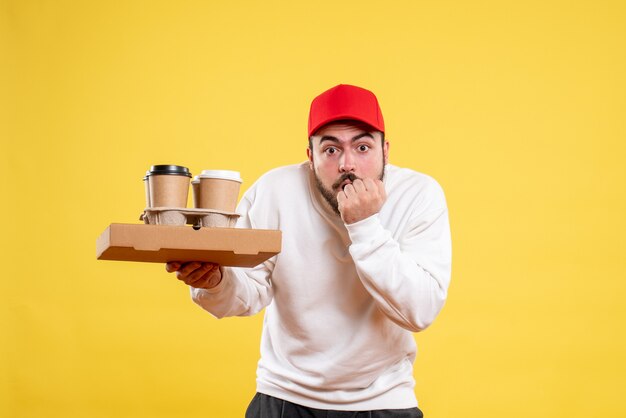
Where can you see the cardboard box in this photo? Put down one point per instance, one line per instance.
(162, 243)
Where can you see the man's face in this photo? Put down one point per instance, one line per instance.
(343, 152)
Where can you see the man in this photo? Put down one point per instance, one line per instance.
(365, 262)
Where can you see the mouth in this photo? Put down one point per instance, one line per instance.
(345, 183)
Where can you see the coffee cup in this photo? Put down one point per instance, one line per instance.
(218, 190)
(147, 189)
(168, 186)
(195, 186)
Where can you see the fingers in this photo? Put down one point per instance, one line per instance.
(189, 271)
(362, 186)
(208, 279)
(376, 186)
(186, 269)
(359, 186)
(172, 266)
(370, 184)
(361, 199)
(353, 188)
(195, 273)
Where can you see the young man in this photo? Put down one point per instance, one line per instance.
(365, 261)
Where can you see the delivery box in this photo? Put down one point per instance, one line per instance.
(162, 243)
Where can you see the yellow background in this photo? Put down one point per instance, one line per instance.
(517, 108)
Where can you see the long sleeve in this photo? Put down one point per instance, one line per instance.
(242, 291)
(408, 277)
(327, 339)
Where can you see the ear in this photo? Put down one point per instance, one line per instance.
(386, 151)
(309, 155)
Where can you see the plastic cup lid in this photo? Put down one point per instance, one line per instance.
(177, 170)
(220, 174)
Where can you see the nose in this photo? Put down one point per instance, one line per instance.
(346, 163)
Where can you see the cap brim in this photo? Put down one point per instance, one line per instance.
(321, 124)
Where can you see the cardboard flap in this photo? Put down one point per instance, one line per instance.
(147, 246)
(248, 247)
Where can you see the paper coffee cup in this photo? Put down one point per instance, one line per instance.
(168, 186)
(218, 190)
(146, 186)
(195, 187)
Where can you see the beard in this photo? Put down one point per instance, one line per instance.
(330, 195)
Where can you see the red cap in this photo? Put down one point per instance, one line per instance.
(345, 102)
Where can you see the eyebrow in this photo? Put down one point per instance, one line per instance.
(356, 138)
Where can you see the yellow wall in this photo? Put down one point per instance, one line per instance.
(517, 108)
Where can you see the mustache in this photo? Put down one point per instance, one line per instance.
(344, 177)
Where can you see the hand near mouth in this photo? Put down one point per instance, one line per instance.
(361, 199)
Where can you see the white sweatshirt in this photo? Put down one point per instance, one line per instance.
(342, 300)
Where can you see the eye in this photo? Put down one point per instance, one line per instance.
(363, 147)
(330, 151)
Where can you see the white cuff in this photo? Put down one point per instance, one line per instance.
(365, 229)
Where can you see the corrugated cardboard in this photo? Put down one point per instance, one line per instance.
(162, 243)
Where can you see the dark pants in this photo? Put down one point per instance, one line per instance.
(264, 406)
